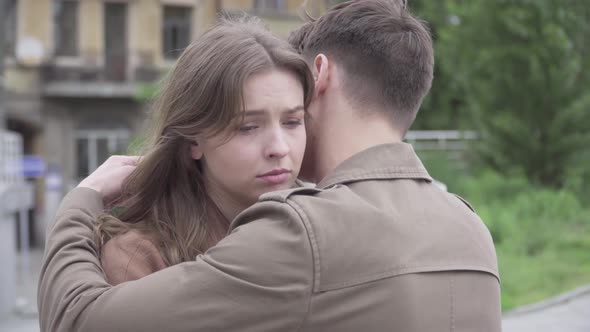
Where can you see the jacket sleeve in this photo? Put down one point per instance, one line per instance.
(259, 278)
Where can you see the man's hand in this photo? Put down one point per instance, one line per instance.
(108, 178)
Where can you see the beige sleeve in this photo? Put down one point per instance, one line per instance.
(128, 257)
(259, 278)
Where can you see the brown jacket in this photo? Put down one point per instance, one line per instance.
(376, 247)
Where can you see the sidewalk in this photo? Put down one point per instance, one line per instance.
(569, 312)
(25, 317)
(14, 323)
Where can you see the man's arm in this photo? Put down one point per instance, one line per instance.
(259, 278)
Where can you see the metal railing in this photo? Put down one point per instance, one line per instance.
(449, 140)
(10, 154)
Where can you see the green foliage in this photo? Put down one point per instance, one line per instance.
(521, 70)
(444, 167)
(539, 233)
(441, 109)
(146, 92)
(517, 72)
(527, 280)
(136, 146)
(522, 215)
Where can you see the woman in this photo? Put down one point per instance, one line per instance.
(228, 126)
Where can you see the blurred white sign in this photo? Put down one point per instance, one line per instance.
(29, 51)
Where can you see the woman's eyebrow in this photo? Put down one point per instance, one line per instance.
(295, 109)
(262, 112)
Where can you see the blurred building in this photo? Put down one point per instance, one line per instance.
(282, 16)
(73, 69)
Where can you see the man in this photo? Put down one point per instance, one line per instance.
(375, 247)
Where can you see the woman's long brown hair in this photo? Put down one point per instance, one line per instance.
(165, 197)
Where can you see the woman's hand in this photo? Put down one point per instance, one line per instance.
(108, 178)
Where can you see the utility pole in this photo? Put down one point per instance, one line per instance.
(2, 58)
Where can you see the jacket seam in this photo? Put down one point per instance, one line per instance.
(315, 255)
(452, 300)
(408, 269)
(464, 201)
(379, 174)
(385, 170)
(283, 196)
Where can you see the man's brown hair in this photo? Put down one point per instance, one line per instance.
(384, 51)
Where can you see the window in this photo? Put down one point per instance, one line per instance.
(269, 6)
(10, 25)
(176, 30)
(66, 27)
(93, 147)
(115, 41)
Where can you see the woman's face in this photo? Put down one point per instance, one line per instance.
(265, 152)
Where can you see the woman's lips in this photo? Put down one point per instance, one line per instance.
(276, 176)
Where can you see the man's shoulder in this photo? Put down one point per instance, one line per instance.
(283, 195)
(308, 201)
(465, 202)
(290, 204)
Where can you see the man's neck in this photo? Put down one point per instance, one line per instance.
(345, 138)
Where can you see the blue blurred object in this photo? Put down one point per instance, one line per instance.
(33, 166)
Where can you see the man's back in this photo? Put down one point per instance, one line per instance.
(379, 248)
(393, 251)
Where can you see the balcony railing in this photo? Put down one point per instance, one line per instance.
(449, 140)
(77, 80)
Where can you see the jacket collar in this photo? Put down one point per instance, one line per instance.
(387, 161)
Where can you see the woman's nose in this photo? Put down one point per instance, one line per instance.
(277, 146)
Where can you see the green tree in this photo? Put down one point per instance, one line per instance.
(441, 109)
(522, 67)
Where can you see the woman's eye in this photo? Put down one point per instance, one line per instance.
(293, 123)
(247, 128)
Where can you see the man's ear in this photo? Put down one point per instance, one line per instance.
(321, 73)
(196, 151)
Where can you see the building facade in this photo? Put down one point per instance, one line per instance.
(73, 69)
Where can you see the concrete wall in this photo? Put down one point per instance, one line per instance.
(292, 6)
(91, 34)
(282, 22)
(34, 21)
